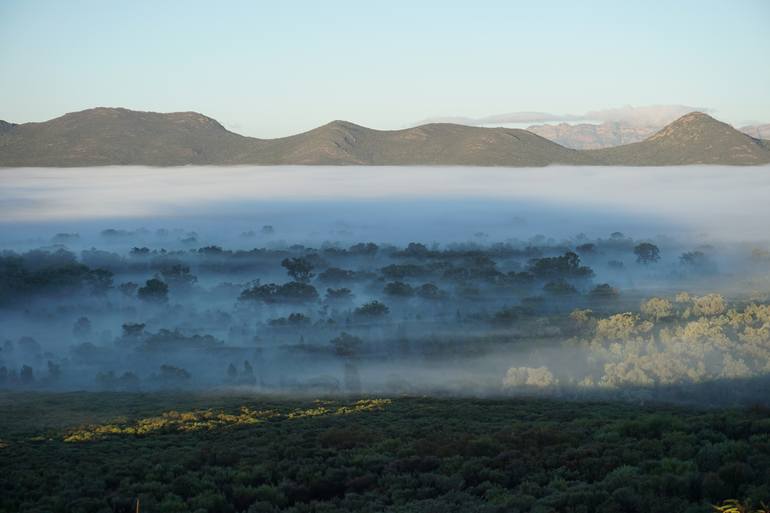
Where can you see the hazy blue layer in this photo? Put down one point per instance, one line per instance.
(389, 204)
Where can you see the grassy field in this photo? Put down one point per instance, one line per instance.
(100, 452)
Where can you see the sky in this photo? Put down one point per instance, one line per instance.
(269, 69)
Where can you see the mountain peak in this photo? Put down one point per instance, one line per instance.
(694, 125)
(695, 116)
(341, 124)
(695, 138)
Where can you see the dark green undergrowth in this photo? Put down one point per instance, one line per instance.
(82, 452)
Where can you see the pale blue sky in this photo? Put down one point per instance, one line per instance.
(272, 68)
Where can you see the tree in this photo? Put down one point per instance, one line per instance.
(247, 375)
(300, 269)
(368, 248)
(292, 292)
(54, 371)
(170, 374)
(346, 345)
(372, 309)
(398, 289)
(559, 288)
(98, 281)
(27, 375)
(133, 329)
(154, 291)
(341, 294)
(602, 292)
(82, 328)
(128, 288)
(657, 308)
(430, 291)
(539, 377)
(565, 266)
(646, 253)
(178, 275)
(336, 275)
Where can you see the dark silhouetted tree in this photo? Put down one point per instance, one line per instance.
(154, 291)
(646, 253)
(300, 269)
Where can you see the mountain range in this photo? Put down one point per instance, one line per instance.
(115, 136)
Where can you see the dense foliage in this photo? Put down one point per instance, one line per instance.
(86, 452)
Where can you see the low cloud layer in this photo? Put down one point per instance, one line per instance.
(312, 202)
(643, 116)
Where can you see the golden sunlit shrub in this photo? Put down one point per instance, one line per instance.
(621, 326)
(709, 305)
(529, 377)
(657, 308)
(581, 316)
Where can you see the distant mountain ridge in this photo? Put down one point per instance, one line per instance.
(115, 136)
(757, 131)
(593, 136)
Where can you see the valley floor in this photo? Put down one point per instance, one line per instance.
(101, 452)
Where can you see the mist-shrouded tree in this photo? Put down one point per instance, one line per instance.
(535, 377)
(247, 374)
(128, 288)
(430, 291)
(603, 292)
(341, 294)
(697, 261)
(559, 288)
(27, 375)
(416, 250)
(372, 309)
(565, 266)
(98, 281)
(292, 292)
(352, 378)
(178, 275)
(364, 248)
(647, 253)
(154, 291)
(132, 329)
(171, 374)
(334, 275)
(82, 328)
(346, 345)
(294, 319)
(232, 372)
(300, 269)
(398, 289)
(54, 371)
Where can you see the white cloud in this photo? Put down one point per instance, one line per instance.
(644, 116)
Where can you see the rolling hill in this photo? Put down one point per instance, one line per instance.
(114, 136)
(695, 138)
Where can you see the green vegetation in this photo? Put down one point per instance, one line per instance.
(84, 452)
